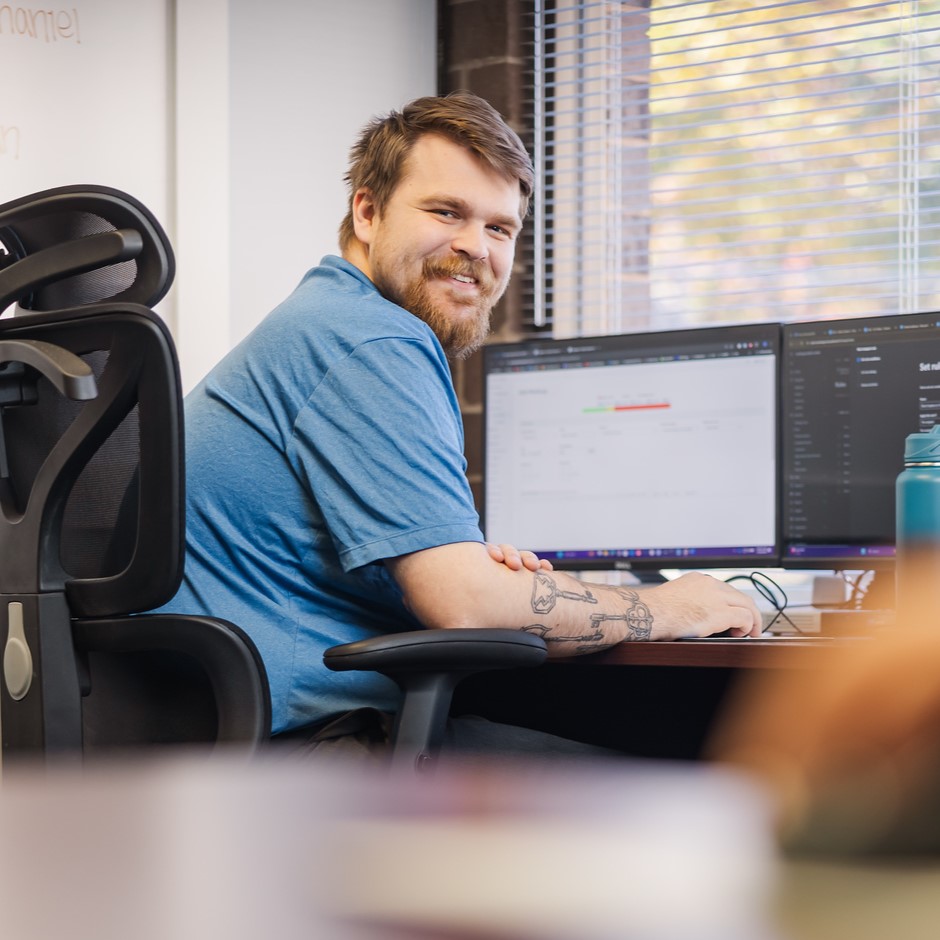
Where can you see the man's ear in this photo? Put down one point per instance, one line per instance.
(364, 215)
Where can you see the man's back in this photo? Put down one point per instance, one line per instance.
(327, 441)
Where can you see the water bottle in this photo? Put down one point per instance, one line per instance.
(917, 573)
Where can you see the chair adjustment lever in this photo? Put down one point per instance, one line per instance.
(17, 658)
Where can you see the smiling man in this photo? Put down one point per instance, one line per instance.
(326, 492)
(441, 243)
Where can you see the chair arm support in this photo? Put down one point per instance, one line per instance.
(427, 665)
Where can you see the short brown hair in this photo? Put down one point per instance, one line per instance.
(377, 159)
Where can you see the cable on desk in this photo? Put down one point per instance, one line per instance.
(771, 592)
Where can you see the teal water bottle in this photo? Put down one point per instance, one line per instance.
(917, 575)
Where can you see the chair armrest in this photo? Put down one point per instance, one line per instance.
(466, 650)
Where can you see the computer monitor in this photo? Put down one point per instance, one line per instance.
(638, 451)
(852, 390)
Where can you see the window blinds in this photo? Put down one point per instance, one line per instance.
(704, 162)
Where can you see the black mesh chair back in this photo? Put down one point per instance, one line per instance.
(91, 495)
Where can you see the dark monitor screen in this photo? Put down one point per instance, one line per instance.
(852, 390)
(644, 450)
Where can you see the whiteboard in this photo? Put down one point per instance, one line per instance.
(85, 98)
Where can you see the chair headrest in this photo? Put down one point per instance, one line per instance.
(78, 245)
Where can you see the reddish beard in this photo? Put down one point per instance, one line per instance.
(459, 335)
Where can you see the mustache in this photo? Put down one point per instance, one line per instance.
(465, 267)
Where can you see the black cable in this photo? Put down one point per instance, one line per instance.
(766, 586)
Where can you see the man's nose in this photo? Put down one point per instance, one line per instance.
(470, 240)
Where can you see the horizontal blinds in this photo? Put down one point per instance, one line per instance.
(722, 161)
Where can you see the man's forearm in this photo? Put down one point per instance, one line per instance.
(460, 585)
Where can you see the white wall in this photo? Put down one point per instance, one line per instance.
(270, 95)
(230, 119)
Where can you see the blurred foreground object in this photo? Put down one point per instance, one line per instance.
(208, 849)
(850, 749)
(644, 851)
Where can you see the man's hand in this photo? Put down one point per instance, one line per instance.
(515, 560)
(697, 605)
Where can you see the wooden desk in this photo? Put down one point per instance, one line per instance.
(750, 653)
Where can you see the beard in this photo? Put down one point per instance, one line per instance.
(460, 334)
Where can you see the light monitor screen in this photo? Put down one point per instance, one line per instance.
(643, 450)
(852, 390)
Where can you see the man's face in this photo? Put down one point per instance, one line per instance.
(443, 246)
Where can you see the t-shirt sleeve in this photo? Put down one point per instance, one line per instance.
(380, 443)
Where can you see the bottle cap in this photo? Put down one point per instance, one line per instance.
(923, 448)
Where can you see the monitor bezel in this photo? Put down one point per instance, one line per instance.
(848, 557)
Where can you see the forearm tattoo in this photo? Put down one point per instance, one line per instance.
(545, 594)
(584, 643)
(638, 618)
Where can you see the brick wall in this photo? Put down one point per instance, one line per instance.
(481, 51)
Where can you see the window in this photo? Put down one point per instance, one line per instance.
(705, 162)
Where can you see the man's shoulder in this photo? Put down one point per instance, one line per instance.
(336, 300)
(334, 282)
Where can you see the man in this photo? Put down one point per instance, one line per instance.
(326, 493)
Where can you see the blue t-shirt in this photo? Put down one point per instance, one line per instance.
(328, 440)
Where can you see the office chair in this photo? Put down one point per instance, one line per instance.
(91, 496)
(91, 515)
